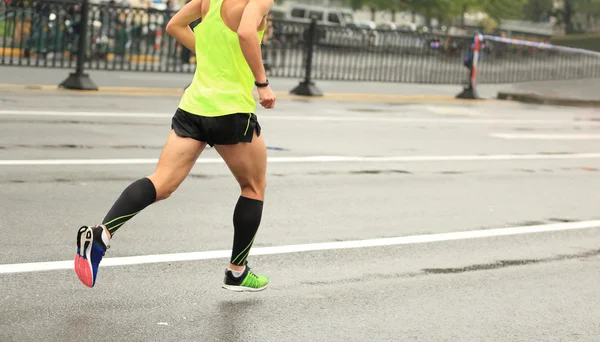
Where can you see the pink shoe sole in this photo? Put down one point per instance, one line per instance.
(83, 270)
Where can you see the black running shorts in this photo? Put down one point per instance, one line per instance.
(219, 130)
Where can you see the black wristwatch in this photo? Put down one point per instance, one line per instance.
(261, 85)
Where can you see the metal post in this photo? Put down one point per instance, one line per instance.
(470, 92)
(307, 87)
(80, 80)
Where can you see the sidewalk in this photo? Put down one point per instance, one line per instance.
(582, 93)
(145, 80)
(570, 92)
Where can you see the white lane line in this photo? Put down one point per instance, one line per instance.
(403, 240)
(315, 118)
(523, 136)
(313, 159)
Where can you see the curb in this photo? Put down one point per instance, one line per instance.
(177, 92)
(547, 100)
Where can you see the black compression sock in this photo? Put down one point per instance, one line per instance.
(137, 196)
(246, 219)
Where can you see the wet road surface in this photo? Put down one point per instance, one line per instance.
(432, 185)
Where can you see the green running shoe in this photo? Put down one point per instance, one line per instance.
(247, 282)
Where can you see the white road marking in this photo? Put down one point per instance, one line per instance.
(266, 117)
(403, 240)
(523, 136)
(313, 159)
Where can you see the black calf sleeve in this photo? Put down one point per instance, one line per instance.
(246, 219)
(137, 196)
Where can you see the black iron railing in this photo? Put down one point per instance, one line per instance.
(46, 33)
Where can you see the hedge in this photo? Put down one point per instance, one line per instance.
(583, 41)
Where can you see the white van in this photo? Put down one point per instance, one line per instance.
(333, 16)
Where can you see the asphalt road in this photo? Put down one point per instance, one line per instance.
(386, 171)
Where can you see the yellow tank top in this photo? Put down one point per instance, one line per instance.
(223, 81)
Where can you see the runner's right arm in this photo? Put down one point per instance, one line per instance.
(178, 27)
(253, 15)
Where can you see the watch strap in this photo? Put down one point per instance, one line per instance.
(261, 85)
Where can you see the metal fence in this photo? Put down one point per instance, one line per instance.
(46, 33)
(367, 55)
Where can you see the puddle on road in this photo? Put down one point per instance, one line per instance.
(201, 176)
(79, 122)
(528, 223)
(376, 172)
(561, 220)
(471, 268)
(84, 147)
(366, 110)
(451, 172)
(117, 147)
(510, 263)
(556, 153)
(57, 146)
(142, 147)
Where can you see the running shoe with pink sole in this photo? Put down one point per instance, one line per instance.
(90, 250)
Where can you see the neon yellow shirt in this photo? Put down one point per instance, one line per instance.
(223, 81)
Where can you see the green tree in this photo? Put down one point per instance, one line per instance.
(578, 16)
(504, 9)
(446, 11)
(465, 6)
(430, 9)
(453, 11)
(394, 6)
(537, 10)
(356, 4)
(588, 14)
(379, 5)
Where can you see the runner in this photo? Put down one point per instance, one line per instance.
(216, 109)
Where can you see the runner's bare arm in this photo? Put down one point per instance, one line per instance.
(178, 26)
(253, 15)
